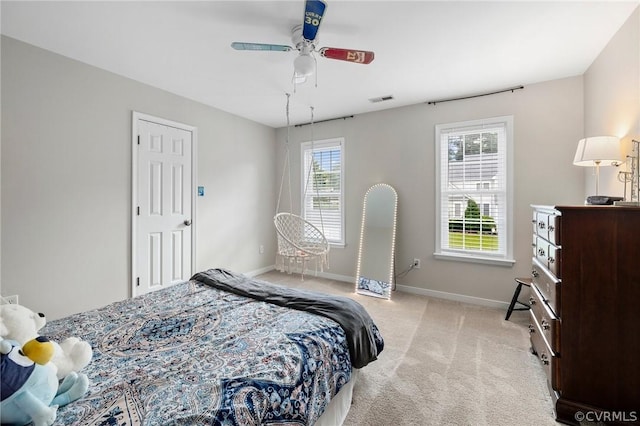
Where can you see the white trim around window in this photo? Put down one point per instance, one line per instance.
(323, 202)
(474, 191)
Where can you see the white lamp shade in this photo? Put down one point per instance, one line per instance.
(603, 150)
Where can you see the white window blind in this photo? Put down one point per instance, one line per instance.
(473, 189)
(322, 187)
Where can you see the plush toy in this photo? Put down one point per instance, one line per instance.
(21, 324)
(29, 390)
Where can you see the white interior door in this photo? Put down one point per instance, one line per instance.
(163, 184)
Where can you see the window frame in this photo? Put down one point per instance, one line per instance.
(324, 144)
(441, 170)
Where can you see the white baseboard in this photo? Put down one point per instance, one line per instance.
(260, 271)
(453, 296)
(404, 288)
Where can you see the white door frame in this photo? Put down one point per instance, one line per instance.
(135, 116)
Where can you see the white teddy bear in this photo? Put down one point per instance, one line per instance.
(21, 324)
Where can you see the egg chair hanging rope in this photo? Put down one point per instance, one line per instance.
(299, 241)
(286, 168)
(315, 183)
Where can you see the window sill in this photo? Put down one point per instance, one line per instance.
(475, 259)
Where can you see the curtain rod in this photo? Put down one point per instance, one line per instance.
(511, 89)
(322, 121)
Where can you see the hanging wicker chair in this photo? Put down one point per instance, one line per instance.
(298, 243)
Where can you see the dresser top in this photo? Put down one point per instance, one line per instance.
(583, 207)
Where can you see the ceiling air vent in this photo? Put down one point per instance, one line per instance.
(381, 99)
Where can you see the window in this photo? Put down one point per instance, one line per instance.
(474, 190)
(457, 209)
(322, 187)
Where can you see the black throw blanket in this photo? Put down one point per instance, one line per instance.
(363, 337)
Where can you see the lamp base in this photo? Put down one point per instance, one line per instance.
(602, 200)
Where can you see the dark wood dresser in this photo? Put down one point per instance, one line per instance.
(585, 310)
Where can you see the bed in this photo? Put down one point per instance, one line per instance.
(220, 349)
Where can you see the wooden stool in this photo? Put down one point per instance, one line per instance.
(514, 299)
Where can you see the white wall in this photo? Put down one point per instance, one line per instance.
(0, 169)
(397, 147)
(612, 99)
(66, 181)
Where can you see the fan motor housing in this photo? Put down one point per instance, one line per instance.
(304, 46)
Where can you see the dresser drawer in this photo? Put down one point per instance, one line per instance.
(550, 362)
(541, 250)
(547, 226)
(553, 228)
(548, 285)
(548, 255)
(549, 324)
(554, 260)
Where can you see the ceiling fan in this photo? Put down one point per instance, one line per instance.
(304, 38)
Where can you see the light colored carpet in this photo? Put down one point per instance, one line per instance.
(444, 363)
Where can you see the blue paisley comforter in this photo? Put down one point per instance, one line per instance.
(192, 354)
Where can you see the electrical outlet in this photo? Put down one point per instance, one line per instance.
(11, 300)
(261, 249)
(416, 263)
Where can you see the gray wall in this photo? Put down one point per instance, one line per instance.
(66, 181)
(612, 98)
(397, 147)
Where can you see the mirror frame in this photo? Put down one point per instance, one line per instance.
(393, 241)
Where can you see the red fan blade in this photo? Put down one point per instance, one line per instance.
(357, 56)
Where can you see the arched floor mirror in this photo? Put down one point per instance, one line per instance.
(375, 272)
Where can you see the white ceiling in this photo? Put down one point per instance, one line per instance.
(425, 50)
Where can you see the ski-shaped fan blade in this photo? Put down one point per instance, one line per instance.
(349, 55)
(313, 13)
(304, 39)
(261, 46)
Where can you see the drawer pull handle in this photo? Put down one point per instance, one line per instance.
(541, 225)
(552, 228)
(545, 359)
(532, 329)
(551, 260)
(545, 324)
(541, 252)
(535, 274)
(532, 301)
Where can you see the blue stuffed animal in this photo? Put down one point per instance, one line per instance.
(30, 391)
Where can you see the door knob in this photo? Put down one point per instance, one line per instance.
(187, 222)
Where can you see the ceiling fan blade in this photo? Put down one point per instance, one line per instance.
(313, 13)
(261, 46)
(349, 55)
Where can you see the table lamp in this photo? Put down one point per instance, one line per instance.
(598, 151)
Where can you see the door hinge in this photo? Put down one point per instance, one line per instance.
(138, 282)
(138, 139)
(138, 210)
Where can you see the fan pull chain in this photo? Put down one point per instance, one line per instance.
(316, 76)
